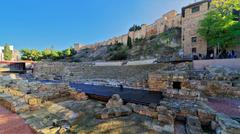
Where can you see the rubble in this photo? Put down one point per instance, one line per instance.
(115, 101)
(143, 110)
(114, 108)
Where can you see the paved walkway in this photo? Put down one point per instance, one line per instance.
(230, 107)
(11, 123)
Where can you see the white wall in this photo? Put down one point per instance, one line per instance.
(1, 53)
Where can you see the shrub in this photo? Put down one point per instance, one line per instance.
(135, 28)
(120, 55)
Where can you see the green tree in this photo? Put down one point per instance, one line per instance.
(67, 52)
(225, 7)
(47, 53)
(7, 52)
(36, 55)
(135, 28)
(33, 54)
(129, 42)
(218, 27)
(55, 55)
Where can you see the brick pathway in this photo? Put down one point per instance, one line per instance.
(11, 123)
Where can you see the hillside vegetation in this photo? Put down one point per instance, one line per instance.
(165, 44)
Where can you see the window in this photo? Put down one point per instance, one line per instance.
(194, 39)
(195, 9)
(194, 50)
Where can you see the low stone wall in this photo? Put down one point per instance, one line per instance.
(230, 63)
(212, 82)
(131, 75)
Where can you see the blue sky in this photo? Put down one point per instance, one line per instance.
(60, 23)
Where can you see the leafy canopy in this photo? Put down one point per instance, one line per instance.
(36, 55)
(218, 27)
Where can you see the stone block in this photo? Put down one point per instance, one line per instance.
(114, 112)
(160, 127)
(205, 117)
(115, 101)
(78, 96)
(227, 125)
(144, 110)
(34, 101)
(193, 125)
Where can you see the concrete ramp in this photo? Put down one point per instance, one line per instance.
(230, 63)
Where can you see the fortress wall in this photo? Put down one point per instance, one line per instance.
(168, 20)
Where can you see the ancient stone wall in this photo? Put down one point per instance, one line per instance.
(132, 75)
(192, 84)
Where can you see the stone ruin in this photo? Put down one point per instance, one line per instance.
(58, 108)
(186, 83)
(35, 102)
(186, 92)
(51, 108)
(196, 115)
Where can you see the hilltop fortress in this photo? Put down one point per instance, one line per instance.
(188, 21)
(168, 20)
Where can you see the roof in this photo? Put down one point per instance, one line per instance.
(196, 3)
(12, 62)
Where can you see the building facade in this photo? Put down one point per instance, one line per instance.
(1, 53)
(192, 43)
